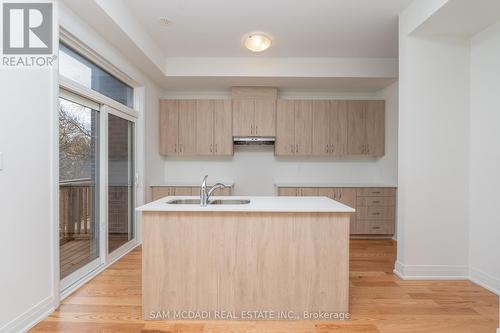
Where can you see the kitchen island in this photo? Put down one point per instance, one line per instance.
(288, 256)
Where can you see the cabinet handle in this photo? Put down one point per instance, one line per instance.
(175, 148)
(211, 150)
(376, 228)
(215, 147)
(296, 147)
(251, 129)
(376, 201)
(180, 147)
(376, 213)
(256, 129)
(376, 192)
(291, 148)
(326, 149)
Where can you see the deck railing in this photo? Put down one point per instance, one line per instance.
(75, 210)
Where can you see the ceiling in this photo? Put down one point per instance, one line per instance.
(299, 28)
(461, 18)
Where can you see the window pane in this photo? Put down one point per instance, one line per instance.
(78, 186)
(77, 68)
(121, 181)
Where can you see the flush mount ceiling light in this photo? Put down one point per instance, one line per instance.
(164, 21)
(257, 41)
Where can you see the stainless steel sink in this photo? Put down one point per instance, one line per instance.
(184, 202)
(229, 202)
(213, 202)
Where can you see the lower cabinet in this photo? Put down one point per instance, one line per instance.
(375, 206)
(158, 192)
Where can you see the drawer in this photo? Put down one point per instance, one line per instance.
(376, 192)
(376, 201)
(375, 227)
(375, 213)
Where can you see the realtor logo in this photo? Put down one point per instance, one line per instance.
(27, 28)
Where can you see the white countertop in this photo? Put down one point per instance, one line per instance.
(188, 184)
(334, 185)
(257, 204)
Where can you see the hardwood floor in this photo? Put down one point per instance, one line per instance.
(379, 301)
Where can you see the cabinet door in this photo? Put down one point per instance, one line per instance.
(338, 127)
(169, 124)
(204, 127)
(243, 117)
(265, 117)
(288, 191)
(356, 127)
(184, 190)
(321, 128)
(328, 192)
(223, 128)
(375, 128)
(347, 196)
(187, 127)
(303, 127)
(308, 191)
(285, 129)
(158, 192)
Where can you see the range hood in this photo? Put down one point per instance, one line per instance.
(254, 140)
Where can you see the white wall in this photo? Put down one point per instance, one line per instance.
(255, 169)
(26, 141)
(485, 158)
(433, 152)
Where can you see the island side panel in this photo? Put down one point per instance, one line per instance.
(235, 261)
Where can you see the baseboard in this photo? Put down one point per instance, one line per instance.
(31, 317)
(485, 280)
(431, 272)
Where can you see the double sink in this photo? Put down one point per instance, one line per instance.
(210, 202)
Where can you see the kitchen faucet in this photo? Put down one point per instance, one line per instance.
(204, 194)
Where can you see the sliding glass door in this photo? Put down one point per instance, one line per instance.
(78, 187)
(121, 191)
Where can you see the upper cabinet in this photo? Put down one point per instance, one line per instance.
(294, 135)
(254, 111)
(366, 128)
(196, 127)
(301, 127)
(329, 127)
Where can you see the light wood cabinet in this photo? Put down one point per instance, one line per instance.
(329, 128)
(187, 126)
(196, 127)
(169, 125)
(366, 128)
(223, 128)
(158, 192)
(254, 111)
(294, 131)
(375, 207)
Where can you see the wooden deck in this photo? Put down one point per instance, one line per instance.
(76, 253)
(379, 303)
